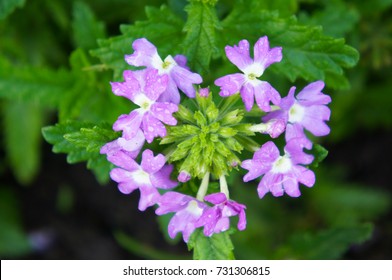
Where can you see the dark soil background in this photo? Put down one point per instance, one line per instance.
(83, 225)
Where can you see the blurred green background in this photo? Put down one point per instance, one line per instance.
(52, 210)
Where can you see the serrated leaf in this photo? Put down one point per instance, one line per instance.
(200, 43)
(307, 52)
(8, 6)
(328, 244)
(162, 28)
(86, 28)
(41, 85)
(22, 124)
(216, 247)
(81, 141)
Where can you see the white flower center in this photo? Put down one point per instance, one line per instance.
(253, 71)
(281, 165)
(141, 177)
(296, 113)
(143, 102)
(164, 67)
(194, 208)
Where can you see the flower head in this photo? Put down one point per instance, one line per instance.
(217, 218)
(150, 175)
(248, 84)
(307, 110)
(143, 88)
(187, 211)
(281, 173)
(179, 77)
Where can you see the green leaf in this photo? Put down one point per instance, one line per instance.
(22, 124)
(82, 141)
(41, 85)
(86, 28)
(162, 28)
(216, 247)
(13, 240)
(285, 7)
(200, 43)
(307, 52)
(337, 19)
(8, 6)
(328, 244)
(319, 153)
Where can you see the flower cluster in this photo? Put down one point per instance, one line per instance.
(206, 139)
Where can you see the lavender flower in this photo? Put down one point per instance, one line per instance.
(143, 88)
(151, 174)
(281, 173)
(216, 219)
(247, 83)
(180, 77)
(307, 110)
(187, 211)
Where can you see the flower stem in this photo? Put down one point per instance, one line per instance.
(203, 187)
(223, 186)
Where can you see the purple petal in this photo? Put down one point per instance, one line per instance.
(127, 187)
(148, 197)
(248, 95)
(155, 84)
(185, 80)
(265, 93)
(290, 186)
(221, 225)
(151, 164)
(161, 179)
(129, 124)
(296, 131)
(172, 202)
(230, 84)
(295, 149)
(181, 60)
(267, 153)
(305, 176)
(239, 55)
(314, 120)
(123, 160)
(171, 94)
(184, 177)
(145, 53)
(264, 55)
(312, 95)
(256, 169)
(241, 225)
(216, 198)
(163, 112)
(287, 102)
(270, 182)
(152, 127)
(134, 144)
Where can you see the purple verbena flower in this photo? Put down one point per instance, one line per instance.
(307, 110)
(150, 175)
(247, 84)
(143, 88)
(184, 176)
(187, 211)
(217, 218)
(281, 173)
(131, 146)
(180, 77)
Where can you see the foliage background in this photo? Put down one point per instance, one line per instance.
(53, 69)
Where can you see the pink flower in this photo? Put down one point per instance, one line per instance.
(281, 173)
(187, 211)
(143, 88)
(307, 110)
(179, 77)
(150, 175)
(248, 84)
(217, 218)
(131, 146)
